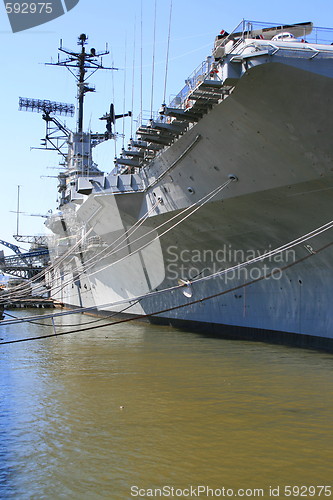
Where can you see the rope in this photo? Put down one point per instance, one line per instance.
(272, 253)
(195, 206)
(113, 100)
(124, 92)
(210, 196)
(26, 286)
(173, 308)
(85, 268)
(298, 241)
(33, 322)
(141, 63)
(167, 56)
(107, 252)
(153, 67)
(133, 78)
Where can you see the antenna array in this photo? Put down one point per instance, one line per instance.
(46, 106)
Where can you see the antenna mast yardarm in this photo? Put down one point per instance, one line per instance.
(85, 64)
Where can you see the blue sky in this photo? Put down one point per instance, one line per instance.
(194, 25)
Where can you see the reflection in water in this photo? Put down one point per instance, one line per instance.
(196, 411)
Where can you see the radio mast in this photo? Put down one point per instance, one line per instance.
(82, 65)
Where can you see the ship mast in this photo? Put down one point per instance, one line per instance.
(81, 89)
(82, 65)
(75, 147)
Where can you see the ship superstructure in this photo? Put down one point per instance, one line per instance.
(218, 213)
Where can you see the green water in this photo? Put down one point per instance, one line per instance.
(118, 412)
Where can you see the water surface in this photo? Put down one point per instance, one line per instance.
(196, 411)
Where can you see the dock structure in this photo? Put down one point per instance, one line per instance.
(29, 302)
(24, 265)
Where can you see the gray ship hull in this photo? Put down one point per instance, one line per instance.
(253, 174)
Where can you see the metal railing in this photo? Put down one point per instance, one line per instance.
(244, 30)
(318, 35)
(199, 74)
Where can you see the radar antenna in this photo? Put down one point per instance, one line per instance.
(53, 126)
(46, 106)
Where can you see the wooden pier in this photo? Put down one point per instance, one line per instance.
(30, 302)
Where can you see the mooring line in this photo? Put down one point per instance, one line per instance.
(179, 306)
